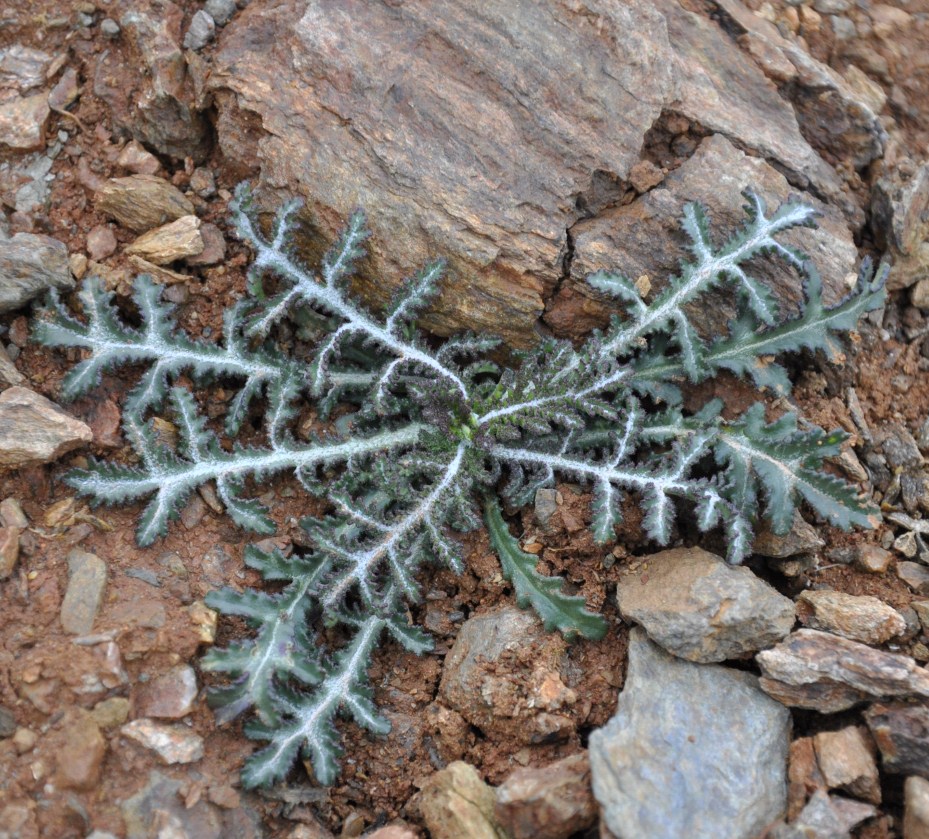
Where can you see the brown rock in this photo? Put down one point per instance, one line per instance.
(22, 122)
(501, 216)
(801, 539)
(65, 91)
(449, 731)
(902, 735)
(455, 803)
(79, 753)
(846, 760)
(915, 575)
(151, 93)
(899, 205)
(101, 242)
(826, 673)
(9, 550)
(505, 673)
(214, 247)
(112, 712)
(157, 273)
(142, 202)
(170, 696)
(34, 430)
(803, 775)
(857, 617)
(86, 583)
(623, 238)
(872, 558)
(916, 808)
(137, 159)
(173, 241)
(553, 802)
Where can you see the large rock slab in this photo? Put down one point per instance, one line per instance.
(697, 606)
(645, 238)
(30, 264)
(693, 750)
(481, 132)
(826, 673)
(34, 430)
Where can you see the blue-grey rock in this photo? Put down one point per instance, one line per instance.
(201, 31)
(693, 750)
(220, 10)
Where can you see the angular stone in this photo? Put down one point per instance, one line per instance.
(623, 238)
(856, 617)
(30, 264)
(505, 673)
(151, 92)
(12, 515)
(112, 712)
(825, 817)
(846, 759)
(34, 430)
(699, 607)
(79, 753)
(9, 375)
(803, 775)
(916, 808)
(136, 158)
(900, 220)
(693, 750)
(214, 247)
(23, 68)
(22, 122)
(86, 582)
(169, 696)
(159, 809)
(801, 539)
(201, 31)
(101, 242)
(9, 550)
(455, 803)
(834, 117)
(826, 673)
(170, 242)
(553, 802)
(142, 202)
(172, 743)
(872, 558)
(902, 735)
(393, 831)
(915, 575)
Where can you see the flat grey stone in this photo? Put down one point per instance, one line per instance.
(693, 750)
(86, 582)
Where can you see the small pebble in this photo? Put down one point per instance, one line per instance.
(220, 10)
(109, 28)
(201, 31)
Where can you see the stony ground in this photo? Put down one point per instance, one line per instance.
(104, 728)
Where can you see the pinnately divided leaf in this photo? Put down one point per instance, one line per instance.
(409, 442)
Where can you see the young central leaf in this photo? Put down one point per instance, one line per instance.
(429, 441)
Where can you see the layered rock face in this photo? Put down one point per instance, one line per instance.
(527, 143)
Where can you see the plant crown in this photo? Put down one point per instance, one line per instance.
(429, 441)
